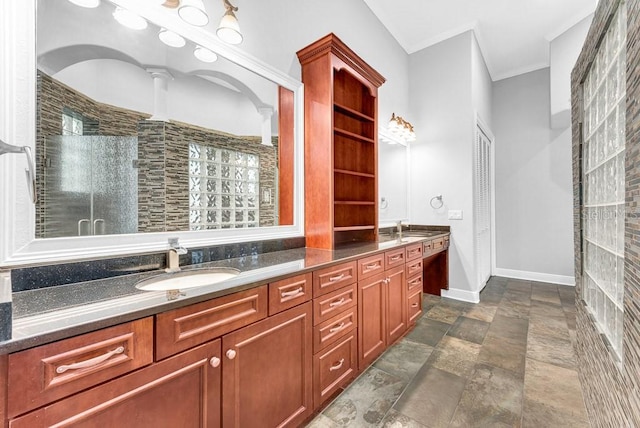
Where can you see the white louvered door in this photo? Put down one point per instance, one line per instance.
(482, 206)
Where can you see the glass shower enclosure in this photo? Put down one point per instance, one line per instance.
(90, 186)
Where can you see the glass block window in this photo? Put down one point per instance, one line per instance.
(604, 183)
(71, 124)
(223, 188)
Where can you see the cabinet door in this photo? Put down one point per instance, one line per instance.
(396, 300)
(181, 391)
(267, 374)
(371, 319)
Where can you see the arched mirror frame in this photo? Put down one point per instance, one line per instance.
(18, 247)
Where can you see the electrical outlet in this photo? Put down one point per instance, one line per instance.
(455, 214)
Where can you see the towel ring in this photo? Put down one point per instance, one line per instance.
(384, 203)
(436, 202)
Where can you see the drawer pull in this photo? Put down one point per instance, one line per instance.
(414, 305)
(231, 354)
(371, 266)
(215, 362)
(337, 328)
(337, 303)
(337, 366)
(292, 293)
(90, 363)
(336, 278)
(415, 281)
(396, 258)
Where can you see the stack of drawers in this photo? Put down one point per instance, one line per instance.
(335, 334)
(414, 282)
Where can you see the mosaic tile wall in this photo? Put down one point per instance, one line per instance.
(611, 390)
(163, 184)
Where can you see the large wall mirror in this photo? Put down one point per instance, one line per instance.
(138, 139)
(393, 179)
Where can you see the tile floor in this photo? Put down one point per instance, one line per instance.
(507, 361)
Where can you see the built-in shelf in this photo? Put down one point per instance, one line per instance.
(351, 228)
(353, 113)
(354, 203)
(354, 136)
(356, 173)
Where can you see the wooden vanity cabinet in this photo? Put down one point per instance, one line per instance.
(267, 372)
(181, 391)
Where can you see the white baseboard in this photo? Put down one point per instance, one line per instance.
(535, 276)
(464, 295)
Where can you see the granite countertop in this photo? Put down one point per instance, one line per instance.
(48, 314)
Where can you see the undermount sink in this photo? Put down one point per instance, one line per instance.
(187, 279)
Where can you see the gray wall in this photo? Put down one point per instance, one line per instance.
(533, 180)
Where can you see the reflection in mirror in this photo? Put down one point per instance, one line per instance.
(136, 136)
(393, 174)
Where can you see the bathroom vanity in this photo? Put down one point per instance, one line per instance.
(266, 348)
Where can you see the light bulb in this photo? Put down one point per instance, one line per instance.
(129, 19)
(204, 54)
(172, 39)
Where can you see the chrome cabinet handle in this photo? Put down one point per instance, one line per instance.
(90, 363)
(371, 266)
(395, 258)
(337, 328)
(336, 278)
(336, 303)
(415, 305)
(215, 362)
(231, 354)
(337, 366)
(292, 293)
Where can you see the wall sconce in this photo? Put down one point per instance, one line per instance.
(172, 39)
(193, 12)
(400, 127)
(204, 54)
(229, 28)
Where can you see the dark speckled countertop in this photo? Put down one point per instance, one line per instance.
(44, 315)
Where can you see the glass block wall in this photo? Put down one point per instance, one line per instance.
(223, 188)
(603, 156)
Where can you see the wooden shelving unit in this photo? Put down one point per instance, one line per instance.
(341, 144)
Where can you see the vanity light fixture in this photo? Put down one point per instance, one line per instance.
(172, 39)
(401, 128)
(129, 19)
(86, 3)
(229, 29)
(193, 12)
(204, 54)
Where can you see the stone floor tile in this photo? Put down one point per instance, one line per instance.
(547, 326)
(469, 329)
(519, 284)
(432, 397)
(516, 296)
(551, 350)
(546, 309)
(500, 352)
(396, 419)
(555, 387)
(428, 331)
(513, 311)
(492, 397)
(444, 314)
(321, 421)
(514, 329)
(536, 415)
(455, 356)
(545, 294)
(404, 359)
(366, 402)
(481, 312)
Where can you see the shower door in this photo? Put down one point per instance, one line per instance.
(90, 186)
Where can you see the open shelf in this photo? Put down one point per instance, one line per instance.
(349, 228)
(353, 113)
(351, 93)
(354, 203)
(355, 173)
(353, 135)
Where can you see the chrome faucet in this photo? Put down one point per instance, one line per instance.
(173, 255)
(399, 227)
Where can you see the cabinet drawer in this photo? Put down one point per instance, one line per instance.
(414, 283)
(329, 279)
(289, 292)
(330, 330)
(47, 373)
(193, 325)
(414, 267)
(446, 242)
(415, 306)
(334, 367)
(329, 305)
(370, 266)
(394, 258)
(414, 251)
(438, 244)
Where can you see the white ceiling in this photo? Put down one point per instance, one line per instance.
(514, 35)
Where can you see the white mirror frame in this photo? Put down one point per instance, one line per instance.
(18, 247)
